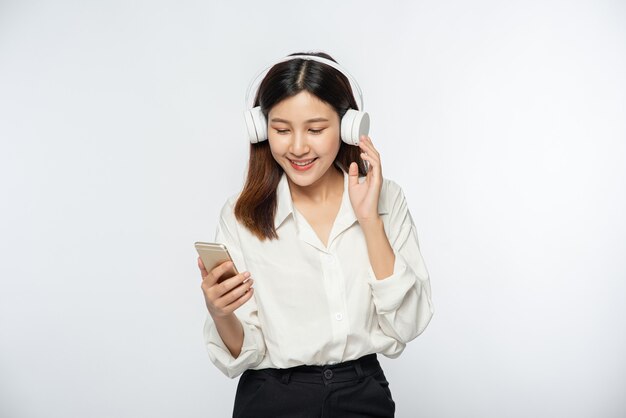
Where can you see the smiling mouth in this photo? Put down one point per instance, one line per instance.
(303, 163)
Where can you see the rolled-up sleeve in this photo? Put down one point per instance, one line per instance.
(253, 348)
(403, 300)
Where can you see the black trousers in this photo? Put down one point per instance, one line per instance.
(351, 389)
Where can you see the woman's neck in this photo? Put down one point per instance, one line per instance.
(326, 188)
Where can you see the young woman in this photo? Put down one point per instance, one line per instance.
(331, 249)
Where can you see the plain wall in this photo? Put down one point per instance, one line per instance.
(122, 135)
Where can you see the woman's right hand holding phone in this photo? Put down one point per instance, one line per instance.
(223, 294)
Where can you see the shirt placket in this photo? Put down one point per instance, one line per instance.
(334, 286)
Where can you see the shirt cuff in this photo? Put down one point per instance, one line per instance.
(389, 293)
(219, 354)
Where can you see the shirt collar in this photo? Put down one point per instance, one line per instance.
(285, 204)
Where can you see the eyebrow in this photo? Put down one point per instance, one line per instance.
(306, 121)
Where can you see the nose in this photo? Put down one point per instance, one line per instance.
(299, 145)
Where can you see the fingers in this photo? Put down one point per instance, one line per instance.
(367, 147)
(217, 290)
(224, 297)
(214, 275)
(201, 267)
(229, 284)
(239, 291)
(353, 174)
(243, 299)
(370, 155)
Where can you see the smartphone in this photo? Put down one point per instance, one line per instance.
(213, 254)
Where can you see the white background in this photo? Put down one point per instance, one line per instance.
(122, 135)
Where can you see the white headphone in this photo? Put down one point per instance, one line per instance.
(353, 124)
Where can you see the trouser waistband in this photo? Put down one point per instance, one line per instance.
(331, 373)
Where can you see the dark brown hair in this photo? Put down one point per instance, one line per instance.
(256, 205)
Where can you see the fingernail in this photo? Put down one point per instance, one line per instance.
(246, 274)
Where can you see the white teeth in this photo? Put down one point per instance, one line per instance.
(302, 164)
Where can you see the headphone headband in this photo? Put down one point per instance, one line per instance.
(330, 63)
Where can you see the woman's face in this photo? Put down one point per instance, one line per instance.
(303, 133)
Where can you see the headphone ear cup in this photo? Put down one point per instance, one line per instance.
(354, 124)
(256, 125)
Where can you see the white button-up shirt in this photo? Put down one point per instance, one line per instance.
(316, 304)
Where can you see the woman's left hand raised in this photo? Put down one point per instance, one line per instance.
(364, 196)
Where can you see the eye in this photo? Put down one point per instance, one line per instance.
(282, 131)
(316, 131)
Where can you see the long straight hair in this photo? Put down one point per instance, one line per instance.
(256, 206)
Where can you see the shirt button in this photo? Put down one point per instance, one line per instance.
(328, 374)
(338, 316)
